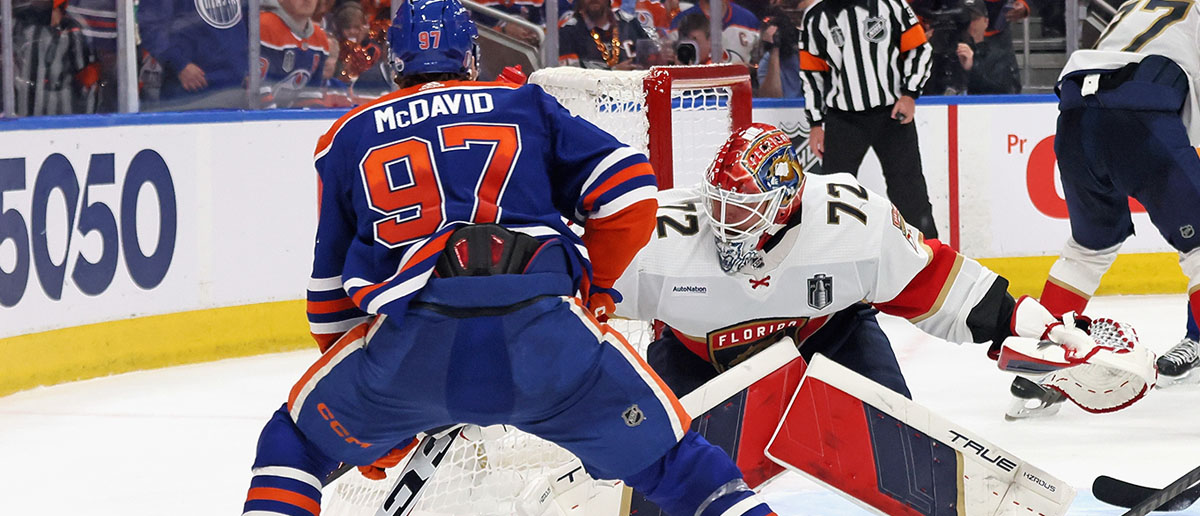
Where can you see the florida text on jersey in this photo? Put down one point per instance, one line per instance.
(849, 245)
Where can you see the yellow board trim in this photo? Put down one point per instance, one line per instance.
(115, 347)
(1135, 273)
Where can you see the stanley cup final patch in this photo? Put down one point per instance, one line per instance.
(820, 291)
(836, 35)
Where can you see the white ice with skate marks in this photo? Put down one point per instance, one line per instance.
(180, 441)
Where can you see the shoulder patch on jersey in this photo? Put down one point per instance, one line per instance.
(820, 291)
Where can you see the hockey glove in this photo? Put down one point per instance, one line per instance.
(1032, 320)
(602, 302)
(1101, 369)
(378, 470)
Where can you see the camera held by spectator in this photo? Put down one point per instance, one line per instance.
(695, 40)
(780, 31)
(948, 22)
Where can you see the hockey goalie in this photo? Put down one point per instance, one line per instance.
(760, 251)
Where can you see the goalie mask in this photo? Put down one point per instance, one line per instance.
(750, 191)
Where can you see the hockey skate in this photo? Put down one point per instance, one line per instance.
(1032, 400)
(1178, 365)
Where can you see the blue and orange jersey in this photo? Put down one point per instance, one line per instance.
(735, 16)
(290, 65)
(398, 175)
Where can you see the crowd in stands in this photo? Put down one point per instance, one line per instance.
(332, 53)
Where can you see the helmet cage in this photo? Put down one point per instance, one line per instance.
(739, 221)
(741, 216)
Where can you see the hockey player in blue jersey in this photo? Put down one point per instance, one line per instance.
(444, 287)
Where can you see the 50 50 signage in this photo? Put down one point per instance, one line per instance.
(23, 225)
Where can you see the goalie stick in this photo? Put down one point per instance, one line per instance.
(1141, 500)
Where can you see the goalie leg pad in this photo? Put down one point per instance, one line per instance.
(287, 471)
(886, 452)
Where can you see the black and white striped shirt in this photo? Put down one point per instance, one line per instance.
(861, 54)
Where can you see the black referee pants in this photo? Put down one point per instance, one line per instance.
(848, 135)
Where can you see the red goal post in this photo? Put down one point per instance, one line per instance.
(661, 82)
(678, 115)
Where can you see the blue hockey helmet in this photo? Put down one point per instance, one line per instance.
(432, 36)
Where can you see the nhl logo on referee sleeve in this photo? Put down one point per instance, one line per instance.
(633, 416)
(875, 29)
(820, 291)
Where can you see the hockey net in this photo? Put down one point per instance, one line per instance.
(679, 116)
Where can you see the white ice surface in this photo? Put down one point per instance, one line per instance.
(180, 441)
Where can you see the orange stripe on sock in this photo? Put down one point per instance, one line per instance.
(329, 307)
(285, 496)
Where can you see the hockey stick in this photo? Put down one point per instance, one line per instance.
(1142, 500)
(443, 436)
(420, 468)
(337, 473)
(1124, 494)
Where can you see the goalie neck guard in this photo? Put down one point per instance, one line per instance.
(750, 191)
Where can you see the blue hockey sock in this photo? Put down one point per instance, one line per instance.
(287, 471)
(697, 478)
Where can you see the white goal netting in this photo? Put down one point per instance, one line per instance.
(680, 117)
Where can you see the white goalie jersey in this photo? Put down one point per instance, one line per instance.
(850, 245)
(1169, 28)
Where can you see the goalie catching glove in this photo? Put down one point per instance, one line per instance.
(1097, 364)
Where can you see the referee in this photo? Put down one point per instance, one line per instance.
(863, 63)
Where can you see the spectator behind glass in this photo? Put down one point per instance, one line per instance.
(98, 22)
(991, 65)
(532, 11)
(695, 41)
(202, 47)
(293, 54)
(56, 73)
(596, 36)
(652, 14)
(779, 69)
(949, 23)
(362, 63)
(1001, 13)
(739, 34)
